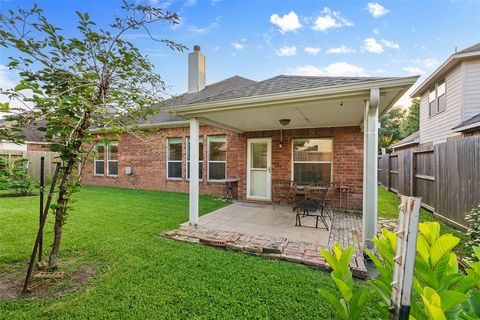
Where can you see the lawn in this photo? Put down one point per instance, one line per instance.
(141, 275)
(388, 203)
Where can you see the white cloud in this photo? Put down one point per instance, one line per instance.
(334, 69)
(238, 45)
(286, 51)
(330, 19)
(376, 9)
(204, 30)
(429, 63)
(390, 44)
(371, 45)
(9, 79)
(287, 23)
(312, 50)
(190, 3)
(413, 70)
(341, 49)
(376, 31)
(160, 4)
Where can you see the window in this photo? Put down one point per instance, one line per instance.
(217, 157)
(99, 160)
(200, 157)
(431, 102)
(312, 160)
(436, 98)
(174, 158)
(441, 105)
(112, 159)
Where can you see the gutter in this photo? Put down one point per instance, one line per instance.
(468, 127)
(159, 125)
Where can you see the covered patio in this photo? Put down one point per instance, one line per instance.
(299, 107)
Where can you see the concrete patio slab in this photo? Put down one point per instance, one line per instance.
(270, 231)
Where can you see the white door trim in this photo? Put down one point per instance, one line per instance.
(269, 167)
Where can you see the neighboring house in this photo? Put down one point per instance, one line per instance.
(300, 128)
(449, 101)
(34, 141)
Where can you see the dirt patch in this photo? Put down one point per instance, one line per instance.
(11, 284)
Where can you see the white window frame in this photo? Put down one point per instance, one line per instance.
(95, 160)
(216, 161)
(176, 161)
(312, 138)
(113, 143)
(187, 161)
(434, 90)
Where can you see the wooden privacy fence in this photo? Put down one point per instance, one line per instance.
(34, 160)
(446, 176)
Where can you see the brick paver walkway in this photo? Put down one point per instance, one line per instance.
(346, 229)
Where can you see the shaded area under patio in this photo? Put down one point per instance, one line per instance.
(270, 231)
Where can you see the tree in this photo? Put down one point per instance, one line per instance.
(97, 79)
(411, 123)
(389, 131)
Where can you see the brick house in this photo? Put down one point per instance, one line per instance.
(298, 128)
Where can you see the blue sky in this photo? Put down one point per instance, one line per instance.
(260, 39)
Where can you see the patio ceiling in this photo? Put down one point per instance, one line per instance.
(342, 105)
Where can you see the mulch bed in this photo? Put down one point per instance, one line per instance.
(11, 284)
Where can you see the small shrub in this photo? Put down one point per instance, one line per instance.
(14, 175)
(473, 219)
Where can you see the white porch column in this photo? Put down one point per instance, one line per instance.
(370, 164)
(194, 158)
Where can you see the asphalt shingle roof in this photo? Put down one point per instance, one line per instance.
(411, 139)
(213, 89)
(472, 120)
(285, 83)
(474, 48)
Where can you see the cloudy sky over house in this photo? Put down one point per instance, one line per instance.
(260, 39)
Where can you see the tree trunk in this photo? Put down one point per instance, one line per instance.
(60, 213)
(63, 195)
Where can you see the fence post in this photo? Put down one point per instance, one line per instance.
(404, 260)
(412, 173)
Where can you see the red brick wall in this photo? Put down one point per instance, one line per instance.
(347, 157)
(147, 157)
(38, 147)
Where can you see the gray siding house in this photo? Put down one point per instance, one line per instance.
(449, 101)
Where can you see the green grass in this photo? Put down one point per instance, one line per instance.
(388, 203)
(142, 275)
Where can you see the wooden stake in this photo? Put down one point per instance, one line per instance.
(40, 229)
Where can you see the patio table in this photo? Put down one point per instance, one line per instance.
(309, 206)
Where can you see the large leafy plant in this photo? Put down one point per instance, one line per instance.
(350, 305)
(440, 289)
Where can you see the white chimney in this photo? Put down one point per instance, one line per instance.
(196, 70)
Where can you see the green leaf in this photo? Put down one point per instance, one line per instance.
(345, 290)
(4, 106)
(451, 299)
(442, 246)
(339, 308)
